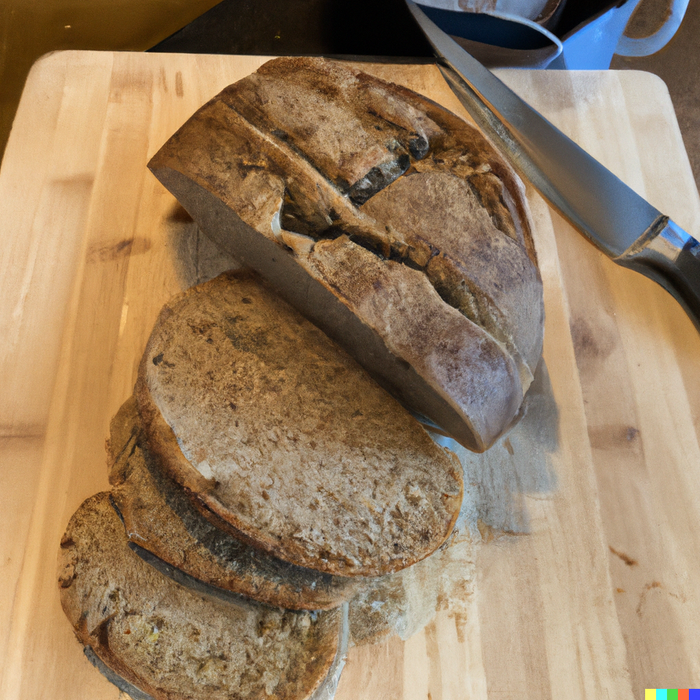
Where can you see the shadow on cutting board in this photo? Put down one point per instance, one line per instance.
(498, 481)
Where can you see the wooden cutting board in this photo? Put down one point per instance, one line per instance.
(596, 591)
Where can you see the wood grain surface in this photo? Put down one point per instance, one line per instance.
(594, 594)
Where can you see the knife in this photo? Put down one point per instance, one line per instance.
(604, 209)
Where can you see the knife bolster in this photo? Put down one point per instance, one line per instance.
(672, 259)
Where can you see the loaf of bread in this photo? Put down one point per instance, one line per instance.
(258, 463)
(388, 221)
(281, 438)
(159, 518)
(178, 644)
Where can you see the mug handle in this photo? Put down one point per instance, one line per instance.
(645, 46)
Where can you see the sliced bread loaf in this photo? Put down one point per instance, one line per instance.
(281, 437)
(159, 518)
(176, 644)
(308, 153)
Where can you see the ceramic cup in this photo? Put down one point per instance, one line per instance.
(528, 33)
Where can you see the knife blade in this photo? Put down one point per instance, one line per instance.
(597, 203)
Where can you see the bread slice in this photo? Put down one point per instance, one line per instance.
(176, 644)
(307, 157)
(158, 517)
(277, 434)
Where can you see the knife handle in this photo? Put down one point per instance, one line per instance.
(671, 258)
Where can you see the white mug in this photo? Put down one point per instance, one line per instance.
(593, 44)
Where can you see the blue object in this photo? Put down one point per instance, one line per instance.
(506, 40)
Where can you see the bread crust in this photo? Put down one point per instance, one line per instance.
(159, 518)
(306, 150)
(436, 344)
(303, 454)
(173, 643)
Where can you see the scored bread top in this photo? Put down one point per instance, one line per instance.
(177, 644)
(280, 435)
(159, 518)
(307, 152)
